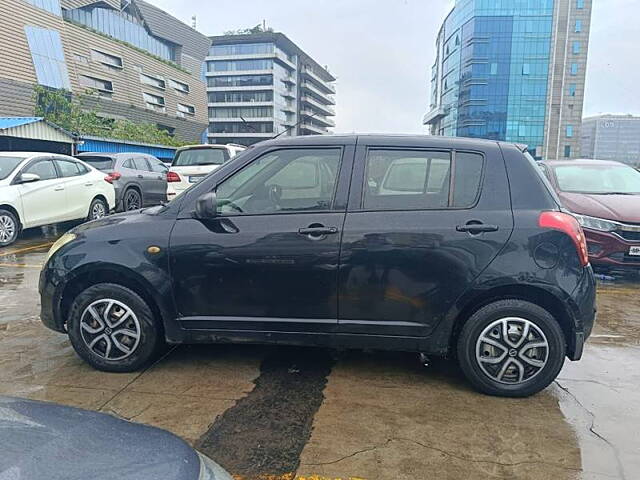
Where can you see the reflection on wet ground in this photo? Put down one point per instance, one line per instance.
(383, 416)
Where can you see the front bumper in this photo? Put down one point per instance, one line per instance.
(49, 286)
(610, 250)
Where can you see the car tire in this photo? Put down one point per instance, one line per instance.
(106, 341)
(521, 362)
(98, 209)
(131, 200)
(9, 227)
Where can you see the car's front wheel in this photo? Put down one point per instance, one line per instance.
(511, 348)
(113, 329)
(9, 227)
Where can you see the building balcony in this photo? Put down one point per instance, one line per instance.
(288, 108)
(435, 115)
(322, 96)
(324, 109)
(326, 86)
(327, 122)
(290, 79)
(314, 129)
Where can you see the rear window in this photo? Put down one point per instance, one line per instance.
(598, 179)
(101, 163)
(8, 165)
(414, 179)
(201, 156)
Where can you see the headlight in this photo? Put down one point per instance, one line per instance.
(210, 470)
(597, 223)
(61, 242)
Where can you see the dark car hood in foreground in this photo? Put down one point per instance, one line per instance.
(42, 441)
(621, 208)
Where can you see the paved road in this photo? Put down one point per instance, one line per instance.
(314, 413)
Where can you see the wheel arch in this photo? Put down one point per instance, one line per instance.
(12, 209)
(132, 186)
(537, 295)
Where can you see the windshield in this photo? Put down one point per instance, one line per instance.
(598, 179)
(101, 163)
(201, 156)
(8, 165)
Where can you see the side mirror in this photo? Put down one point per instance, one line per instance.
(207, 206)
(29, 178)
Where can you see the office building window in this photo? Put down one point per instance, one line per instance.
(578, 26)
(186, 110)
(567, 151)
(580, 4)
(494, 69)
(572, 89)
(569, 131)
(52, 6)
(240, 81)
(153, 81)
(237, 112)
(106, 59)
(96, 83)
(576, 48)
(240, 65)
(574, 69)
(526, 69)
(231, 97)
(241, 49)
(48, 57)
(154, 102)
(179, 86)
(237, 127)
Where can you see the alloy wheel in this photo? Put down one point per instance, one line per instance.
(7, 228)
(512, 350)
(132, 200)
(110, 329)
(98, 211)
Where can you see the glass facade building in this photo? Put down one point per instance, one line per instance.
(491, 78)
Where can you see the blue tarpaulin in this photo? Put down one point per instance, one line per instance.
(108, 145)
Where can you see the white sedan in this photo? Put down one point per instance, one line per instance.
(43, 188)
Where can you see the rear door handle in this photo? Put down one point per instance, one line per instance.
(477, 228)
(88, 184)
(317, 231)
(140, 176)
(58, 188)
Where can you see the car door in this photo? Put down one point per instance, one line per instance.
(158, 180)
(43, 201)
(145, 178)
(78, 185)
(269, 260)
(421, 225)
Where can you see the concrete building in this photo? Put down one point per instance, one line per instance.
(138, 62)
(612, 137)
(512, 71)
(260, 85)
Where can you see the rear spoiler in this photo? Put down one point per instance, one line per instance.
(521, 146)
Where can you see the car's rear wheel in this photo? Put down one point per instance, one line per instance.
(113, 329)
(9, 227)
(132, 200)
(511, 348)
(98, 209)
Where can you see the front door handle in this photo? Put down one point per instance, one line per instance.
(58, 188)
(317, 231)
(140, 176)
(475, 228)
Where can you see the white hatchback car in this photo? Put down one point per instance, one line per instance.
(43, 188)
(191, 164)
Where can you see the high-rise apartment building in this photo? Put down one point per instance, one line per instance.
(136, 61)
(612, 137)
(260, 85)
(512, 70)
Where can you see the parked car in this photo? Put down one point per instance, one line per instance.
(39, 189)
(140, 180)
(45, 441)
(191, 164)
(605, 196)
(299, 241)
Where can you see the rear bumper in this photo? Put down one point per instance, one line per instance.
(610, 250)
(584, 300)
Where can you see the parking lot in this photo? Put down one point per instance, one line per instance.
(285, 412)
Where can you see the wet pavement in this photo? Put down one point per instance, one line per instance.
(279, 412)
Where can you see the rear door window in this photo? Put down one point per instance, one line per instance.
(415, 180)
(69, 168)
(140, 163)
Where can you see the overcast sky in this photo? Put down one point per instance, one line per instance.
(381, 51)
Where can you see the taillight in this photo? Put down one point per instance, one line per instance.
(173, 177)
(566, 223)
(112, 177)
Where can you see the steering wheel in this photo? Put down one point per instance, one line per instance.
(232, 205)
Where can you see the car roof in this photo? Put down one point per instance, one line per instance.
(435, 141)
(581, 162)
(215, 146)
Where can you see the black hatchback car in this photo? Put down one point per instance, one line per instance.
(435, 245)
